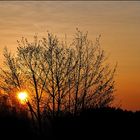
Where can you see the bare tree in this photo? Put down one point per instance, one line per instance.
(59, 77)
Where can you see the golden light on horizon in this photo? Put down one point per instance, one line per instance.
(23, 96)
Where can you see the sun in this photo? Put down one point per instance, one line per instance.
(23, 96)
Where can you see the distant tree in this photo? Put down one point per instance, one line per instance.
(59, 77)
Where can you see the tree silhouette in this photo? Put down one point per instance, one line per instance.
(58, 77)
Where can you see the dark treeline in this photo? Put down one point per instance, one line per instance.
(107, 123)
(90, 124)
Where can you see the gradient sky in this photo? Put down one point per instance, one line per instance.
(118, 23)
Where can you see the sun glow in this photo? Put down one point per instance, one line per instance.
(23, 96)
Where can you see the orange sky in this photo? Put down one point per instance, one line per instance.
(118, 23)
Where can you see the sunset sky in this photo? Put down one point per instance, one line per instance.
(117, 22)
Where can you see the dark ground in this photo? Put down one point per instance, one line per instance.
(105, 123)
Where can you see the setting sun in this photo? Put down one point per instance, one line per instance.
(22, 96)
